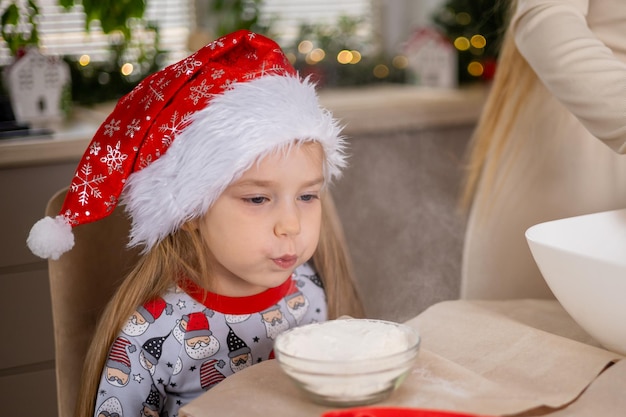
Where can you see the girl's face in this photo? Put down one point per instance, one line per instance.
(266, 223)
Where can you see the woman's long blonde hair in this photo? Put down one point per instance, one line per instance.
(512, 84)
(183, 253)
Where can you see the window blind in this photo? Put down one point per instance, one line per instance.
(63, 32)
(288, 15)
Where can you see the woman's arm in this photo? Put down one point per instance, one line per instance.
(580, 70)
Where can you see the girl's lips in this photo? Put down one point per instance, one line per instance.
(286, 261)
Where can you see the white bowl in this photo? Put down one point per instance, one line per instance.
(348, 362)
(583, 260)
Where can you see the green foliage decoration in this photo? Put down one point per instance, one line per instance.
(226, 16)
(19, 25)
(113, 15)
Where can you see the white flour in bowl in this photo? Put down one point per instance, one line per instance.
(345, 339)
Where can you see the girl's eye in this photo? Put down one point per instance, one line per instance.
(255, 200)
(308, 197)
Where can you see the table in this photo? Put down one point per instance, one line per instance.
(501, 358)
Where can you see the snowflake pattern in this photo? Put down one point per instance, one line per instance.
(174, 127)
(94, 148)
(133, 127)
(229, 85)
(265, 70)
(114, 159)
(187, 66)
(215, 44)
(155, 92)
(200, 91)
(85, 185)
(71, 217)
(112, 127)
(217, 73)
(145, 161)
(111, 203)
(252, 56)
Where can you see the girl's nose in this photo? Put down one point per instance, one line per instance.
(288, 221)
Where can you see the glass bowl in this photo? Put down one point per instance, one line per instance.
(348, 362)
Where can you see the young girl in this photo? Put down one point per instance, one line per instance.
(221, 161)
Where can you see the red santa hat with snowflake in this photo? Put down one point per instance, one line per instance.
(178, 139)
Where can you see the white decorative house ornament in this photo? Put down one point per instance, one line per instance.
(36, 85)
(432, 59)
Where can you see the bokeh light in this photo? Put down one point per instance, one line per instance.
(127, 69)
(475, 68)
(400, 62)
(463, 18)
(356, 57)
(478, 41)
(84, 60)
(462, 43)
(305, 47)
(344, 57)
(315, 56)
(381, 71)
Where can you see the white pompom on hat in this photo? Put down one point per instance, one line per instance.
(178, 139)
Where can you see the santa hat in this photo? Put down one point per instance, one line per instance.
(153, 402)
(152, 310)
(236, 345)
(118, 357)
(178, 139)
(197, 326)
(209, 374)
(153, 348)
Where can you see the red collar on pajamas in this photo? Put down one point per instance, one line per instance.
(238, 305)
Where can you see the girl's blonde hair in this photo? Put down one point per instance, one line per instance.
(514, 80)
(183, 253)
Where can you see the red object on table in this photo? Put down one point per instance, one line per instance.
(395, 412)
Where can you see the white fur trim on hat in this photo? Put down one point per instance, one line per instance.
(50, 237)
(223, 140)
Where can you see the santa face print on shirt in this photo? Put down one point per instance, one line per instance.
(297, 304)
(274, 321)
(141, 319)
(198, 339)
(238, 352)
(117, 367)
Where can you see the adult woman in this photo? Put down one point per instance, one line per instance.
(540, 149)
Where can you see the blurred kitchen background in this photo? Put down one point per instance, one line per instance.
(407, 77)
(110, 45)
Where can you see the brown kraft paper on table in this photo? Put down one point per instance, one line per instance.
(604, 397)
(514, 361)
(500, 358)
